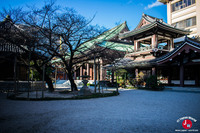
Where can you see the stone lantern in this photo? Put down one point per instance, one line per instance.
(85, 89)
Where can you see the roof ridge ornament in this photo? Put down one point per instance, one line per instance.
(8, 18)
(186, 38)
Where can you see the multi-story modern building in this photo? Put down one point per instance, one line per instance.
(184, 14)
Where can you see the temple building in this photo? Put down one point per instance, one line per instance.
(11, 68)
(149, 48)
(156, 54)
(112, 48)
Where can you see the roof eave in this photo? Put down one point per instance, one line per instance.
(152, 25)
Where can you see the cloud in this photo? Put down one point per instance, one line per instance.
(156, 3)
(130, 1)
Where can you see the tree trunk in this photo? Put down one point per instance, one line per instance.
(47, 79)
(73, 85)
(49, 83)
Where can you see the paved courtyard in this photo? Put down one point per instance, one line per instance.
(132, 111)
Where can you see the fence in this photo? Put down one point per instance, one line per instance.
(21, 86)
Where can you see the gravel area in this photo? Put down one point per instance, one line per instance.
(132, 111)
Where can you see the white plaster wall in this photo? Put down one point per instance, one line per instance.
(186, 82)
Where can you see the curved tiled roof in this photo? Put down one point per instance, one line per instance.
(104, 40)
(6, 46)
(154, 22)
(123, 63)
(119, 46)
(193, 42)
(107, 35)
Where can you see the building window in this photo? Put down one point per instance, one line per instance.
(182, 4)
(185, 23)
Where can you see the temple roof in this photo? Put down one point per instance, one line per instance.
(130, 63)
(118, 46)
(6, 46)
(108, 40)
(188, 41)
(153, 25)
(107, 36)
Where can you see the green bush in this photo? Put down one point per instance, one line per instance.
(153, 84)
(137, 82)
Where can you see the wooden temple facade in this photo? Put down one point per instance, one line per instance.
(86, 68)
(156, 54)
(11, 68)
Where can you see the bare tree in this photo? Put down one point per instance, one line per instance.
(61, 33)
(15, 13)
(25, 37)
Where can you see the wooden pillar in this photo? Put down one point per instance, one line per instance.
(98, 70)
(171, 43)
(154, 41)
(81, 72)
(99, 73)
(154, 71)
(168, 44)
(181, 75)
(88, 69)
(136, 46)
(91, 73)
(84, 69)
(101, 69)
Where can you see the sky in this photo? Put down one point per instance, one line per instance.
(108, 13)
